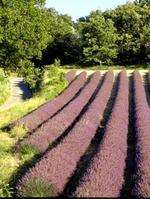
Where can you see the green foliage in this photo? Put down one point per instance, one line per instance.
(32, 76)
(20, 109)
(6, 143)
(5, 190)
(18, 132)
(23, 32)
(8, 165)
(4, 87)
(98, 37)
(54, 81)
(37, 188)
(64, 43)
(32, 36)
(23, 36)
(142, 2)
(66, 47)
(27, 152)
(9, 162)
(131, 21)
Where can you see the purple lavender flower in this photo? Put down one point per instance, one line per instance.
(142, 187)
(54, 127)
(57, 165)
(44, 112)
(70, 75)
(105, 176)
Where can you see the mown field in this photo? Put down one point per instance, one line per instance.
(92, 140)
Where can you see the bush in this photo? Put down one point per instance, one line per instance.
(32, 75)
(45, 78)
(54, 81)
(4, 87)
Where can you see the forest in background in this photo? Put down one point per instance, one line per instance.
(33, 36)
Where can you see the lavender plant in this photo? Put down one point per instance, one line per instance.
(105, 175)
(142, 186)
(57, 165)
(44, 112)
(54, 127)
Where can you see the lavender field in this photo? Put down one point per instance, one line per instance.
(92, 140)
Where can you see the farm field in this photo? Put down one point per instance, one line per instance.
(92, 140)
(75, 99)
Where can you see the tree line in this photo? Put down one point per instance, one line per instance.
(32, 36)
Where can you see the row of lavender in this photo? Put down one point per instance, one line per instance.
(55, 126)
(70, 75)
(142, 187)
(105, 176)
(43, 113)
(110, 181)
(58, 164)
(149, 82)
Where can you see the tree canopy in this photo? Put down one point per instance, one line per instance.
(98, 37)
(23, 32)
(32, 36)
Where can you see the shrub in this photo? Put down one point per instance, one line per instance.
(4, 87)
(32, 76)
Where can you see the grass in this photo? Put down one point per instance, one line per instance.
(27, 152)
(6, 143)
(4, 87)
(11, 161)
(37, 188)
(19, 109)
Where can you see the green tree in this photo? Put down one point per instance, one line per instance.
(98, 37)
(131, 21)
(142, 2)
(64, 44)
(23, 32)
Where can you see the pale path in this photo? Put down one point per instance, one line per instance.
(19, 93)
(116, 71)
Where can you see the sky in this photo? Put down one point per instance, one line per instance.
(79, 8)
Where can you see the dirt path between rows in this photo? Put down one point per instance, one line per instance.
(19, 93)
